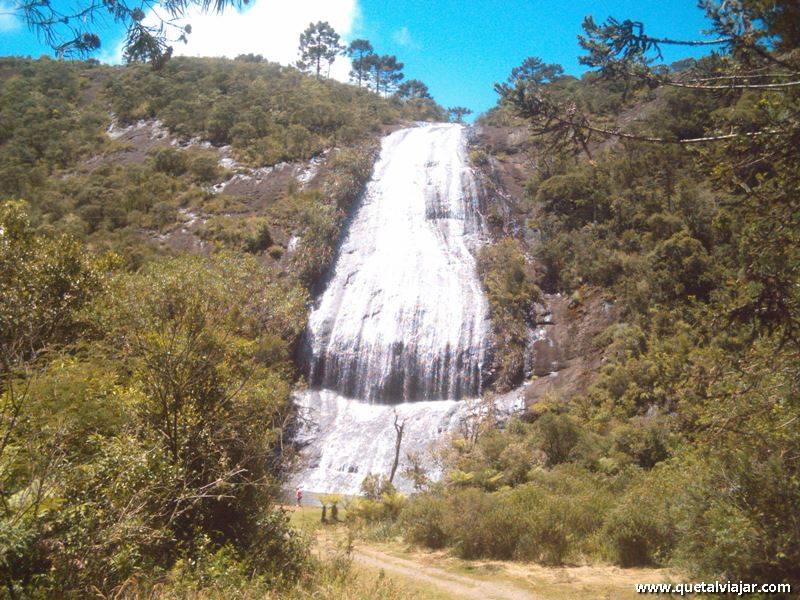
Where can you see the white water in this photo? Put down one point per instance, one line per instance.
(345, 439)
(404, 317)
(402, 327)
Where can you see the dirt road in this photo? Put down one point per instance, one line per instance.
(441, 576)
(459, 586)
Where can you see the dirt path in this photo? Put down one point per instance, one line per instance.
(458, 585)
(440, 575)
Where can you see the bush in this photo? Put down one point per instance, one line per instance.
(247, 234)
(558, 435)
(376, 514)
(464, 525)
(423, 520)
(478, 158)
(563, 511)
(205, 167)
(735, 506)
(374, 487)
(170, 161)
(579, 197)
(276, 251)
(681, 268)
(505, 274)
(642, 529)
(550, 519)
(644, 439)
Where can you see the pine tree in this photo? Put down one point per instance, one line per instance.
(385, 72)
(457, 113)
(360, 52)
(319, 44)
(413, 88)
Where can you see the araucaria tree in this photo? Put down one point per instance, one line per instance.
(413, 88)
(319, 45)
(457, 113)
(392, 73)
(622, 51)
(360, 53)
(385, 72)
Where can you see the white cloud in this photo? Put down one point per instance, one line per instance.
(8, 18)
(403, 37)
(270, 28)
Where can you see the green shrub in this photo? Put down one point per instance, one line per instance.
(642, 529)
(374, 487)
(463, 522)
(247, 234)
(506, 275)
(499, 529)
(204, 167)
(563, 511)
(170, 161)
(557, 435)
(644, 439)
(734, 511)
(376, 514)
(578, 197)
(554, 517)
(423, 519)
(479, 158)
(681, 268)
(377, 519)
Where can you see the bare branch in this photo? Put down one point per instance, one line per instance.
(669, 41)
(732, 86)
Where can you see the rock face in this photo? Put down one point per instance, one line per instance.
(564, 356)
(404, 317)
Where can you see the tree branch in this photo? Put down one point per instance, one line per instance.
(732, 86)
(646, 138)
(668, 41)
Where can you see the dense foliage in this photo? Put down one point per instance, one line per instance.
(55, 154)
(506, 276)
(143, 413)
(267, 112)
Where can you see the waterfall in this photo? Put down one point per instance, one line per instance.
(401, 331)
(404, 317)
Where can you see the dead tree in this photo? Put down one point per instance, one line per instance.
(398, 427)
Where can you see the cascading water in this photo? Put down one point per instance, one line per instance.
(400, 334)
(404, 317)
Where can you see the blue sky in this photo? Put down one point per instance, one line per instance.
(460, 48)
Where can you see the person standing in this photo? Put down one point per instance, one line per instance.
(299, 496)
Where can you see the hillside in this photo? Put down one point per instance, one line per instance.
(113, 155)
